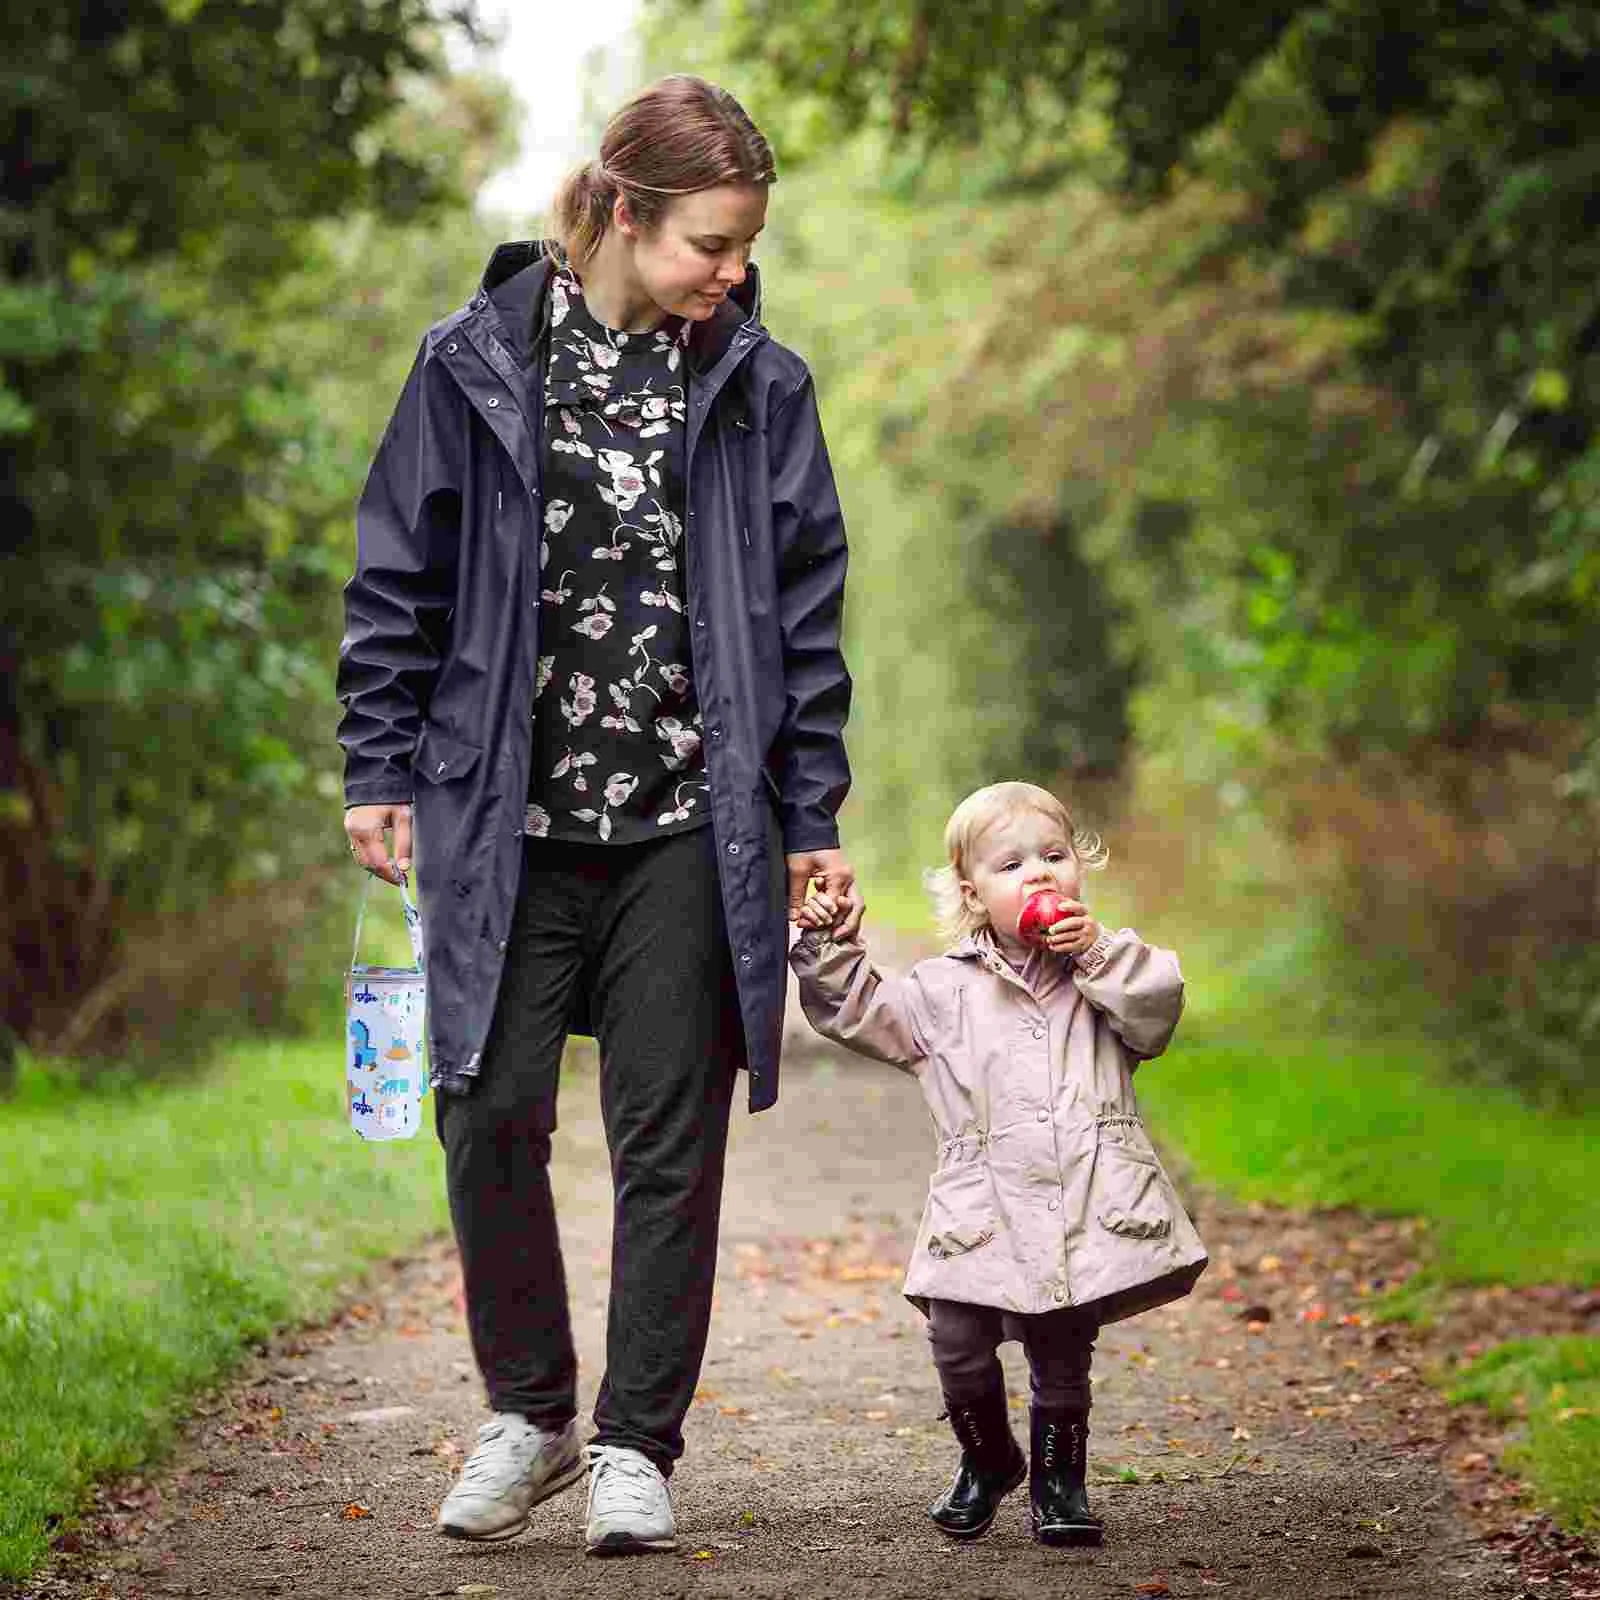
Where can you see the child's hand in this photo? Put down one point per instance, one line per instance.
(1074, 932)
(821, 910)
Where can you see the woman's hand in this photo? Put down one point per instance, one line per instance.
(365, 826)
(836, 879)
(1074, 932)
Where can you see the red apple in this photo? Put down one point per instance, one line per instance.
(1040, 912)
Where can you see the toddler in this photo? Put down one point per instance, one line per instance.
(1048, 1213)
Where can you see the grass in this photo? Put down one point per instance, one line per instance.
(1375, 1124)
(152, 1235)
(1553, 1385)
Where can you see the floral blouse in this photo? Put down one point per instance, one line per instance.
(617, 753)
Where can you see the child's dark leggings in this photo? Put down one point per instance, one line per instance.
(1059, 1344)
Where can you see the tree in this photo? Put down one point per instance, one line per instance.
(169, 474)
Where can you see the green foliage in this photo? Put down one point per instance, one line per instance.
(1322, 402)
(151, 1236)
(1375, 1122)
(1554, 1385)
(198, 335)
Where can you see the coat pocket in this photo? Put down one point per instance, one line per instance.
(1131, 1195)
(440, 759)
(961, 1209)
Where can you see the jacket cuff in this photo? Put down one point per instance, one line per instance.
(377, 792)
(1092, 959)
(805, 836)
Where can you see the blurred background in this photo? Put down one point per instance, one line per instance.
(1213, 394)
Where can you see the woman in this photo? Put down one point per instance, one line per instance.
(593, 640)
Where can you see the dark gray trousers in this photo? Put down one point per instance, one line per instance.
(1059, 1346)
(633, 936)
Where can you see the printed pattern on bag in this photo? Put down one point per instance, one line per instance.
(386, 1073)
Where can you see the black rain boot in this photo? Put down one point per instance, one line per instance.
(992, 1466)
(1059, 1512)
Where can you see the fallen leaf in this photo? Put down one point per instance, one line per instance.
(1156, 1586)
(1241, 1433)
(876, 1416)
(355, 1511)
(701, 1555)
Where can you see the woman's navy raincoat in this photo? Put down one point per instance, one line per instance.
(436, 671)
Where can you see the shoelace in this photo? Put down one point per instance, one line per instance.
(631, 1480)
(481, 1466)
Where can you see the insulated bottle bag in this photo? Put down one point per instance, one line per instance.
(386, 1070)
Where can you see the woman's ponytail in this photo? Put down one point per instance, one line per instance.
(581, 211)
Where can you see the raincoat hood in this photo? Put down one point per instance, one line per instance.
(517, 282)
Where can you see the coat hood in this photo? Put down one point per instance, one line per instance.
(517, 281)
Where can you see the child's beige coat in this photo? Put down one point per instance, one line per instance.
(1047, 1191)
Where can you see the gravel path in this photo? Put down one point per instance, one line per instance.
(1256, 1440)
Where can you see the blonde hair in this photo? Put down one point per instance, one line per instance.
(954, 917)
(678, 136)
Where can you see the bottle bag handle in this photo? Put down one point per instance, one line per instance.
(408, 907)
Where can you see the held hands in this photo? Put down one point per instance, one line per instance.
(365, 827)
(837, 903)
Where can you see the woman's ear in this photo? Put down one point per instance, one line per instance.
(622, 218)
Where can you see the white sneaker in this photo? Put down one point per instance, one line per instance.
(629, 1507)
(514, 1467)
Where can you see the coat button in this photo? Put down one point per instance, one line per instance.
(1038, 1033)
(440, 769)
(701, 623)
(501, 945)
(493, 403)
(451, 348)
(1055, 1205)
(1059, 1296)
(716, 733)
(1044, 1116)
(733, 849)
(746, 958)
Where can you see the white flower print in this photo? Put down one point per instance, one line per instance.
(671, 345)
(574, 761)
(557, 514)
(627, 481)
(572, 447)
(619, 786)
(602, 354)
(597, 382)
(684, 741)
(581, 706)
(682, 805)
(676, 676)
(537, 822)
(559, 305)
(570, 422)
(559, 595)
(661, 597)
(547, 666)
(596, 622)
